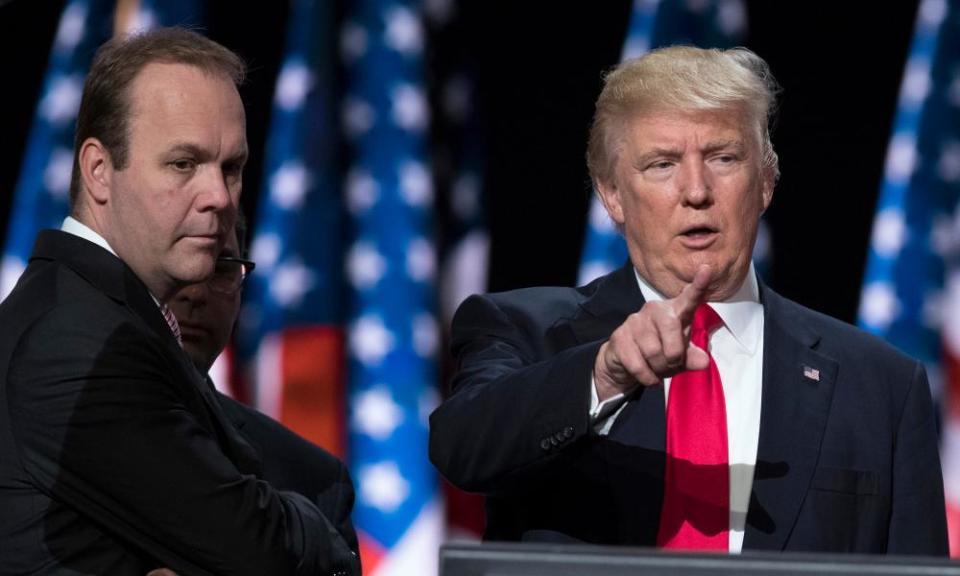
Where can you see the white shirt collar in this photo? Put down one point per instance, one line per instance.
(73, 226)
(742, 313)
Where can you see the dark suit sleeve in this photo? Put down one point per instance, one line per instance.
(290, 462)
(917, 519)
(103, 427)
(515, 410)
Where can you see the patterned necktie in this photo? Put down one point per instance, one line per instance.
(171, 322)
(696, 491)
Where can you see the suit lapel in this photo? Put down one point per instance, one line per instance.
(616, 296)
(114, 278)
(797, 389)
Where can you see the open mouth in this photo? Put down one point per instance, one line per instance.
(698, 231)
(699, 236)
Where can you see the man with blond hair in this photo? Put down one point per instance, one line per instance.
(115, 456)
(678, 401)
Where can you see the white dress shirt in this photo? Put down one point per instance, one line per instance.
(78, 228)
(737, 349)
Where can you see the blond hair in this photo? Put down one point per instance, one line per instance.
(681, 78)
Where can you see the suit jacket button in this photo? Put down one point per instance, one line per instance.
(559, 437)
(553, 440)
(568, 432)
(545, 444)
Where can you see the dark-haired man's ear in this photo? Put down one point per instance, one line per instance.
(96, 171)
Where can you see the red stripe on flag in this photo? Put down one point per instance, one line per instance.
(371, 552)
(312, 396)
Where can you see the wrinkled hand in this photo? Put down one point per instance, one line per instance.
(653, 343)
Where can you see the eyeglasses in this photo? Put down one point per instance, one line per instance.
(229, 274)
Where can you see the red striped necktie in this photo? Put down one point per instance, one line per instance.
(696, 491)
(171, 322)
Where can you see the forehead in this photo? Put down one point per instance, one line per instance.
(685, 127)
(179, 100)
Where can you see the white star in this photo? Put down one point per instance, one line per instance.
(879, 305)
(73, 22)
(290, 282)
(61, 103)
(932, 12)
(599, 219)
(421, 260)
(416, 187)
(732, 17)
(466, 196)
(409, 108)
(901, 157)
(365, 265)
(10, 272)
(362, 191)
(370, 341)
(265, 251)
(143, 19)
(289, 184)
(353, 41)
(293, 85)
(592, 270)
(457, 97)
(916, 82)
(948, 166)
(358, 117)
(404, 32)
(56, 176)
(889, 232)
(383, 487)
(375, 413)
(426, 335)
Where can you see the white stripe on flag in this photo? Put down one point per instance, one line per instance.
(269, 380)
(416, 553)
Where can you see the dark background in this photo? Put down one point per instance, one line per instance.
(538, 68)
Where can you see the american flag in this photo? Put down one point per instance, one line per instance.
(393, 333)
(141, 15)
(41, 198)
(655, 23)
(290, 333)
(911, 290)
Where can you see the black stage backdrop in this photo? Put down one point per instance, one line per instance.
(538, 67)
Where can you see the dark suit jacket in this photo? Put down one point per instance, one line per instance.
(847, 462)
(289, 462)
(115, 456)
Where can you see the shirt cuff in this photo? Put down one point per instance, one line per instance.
(604, 414)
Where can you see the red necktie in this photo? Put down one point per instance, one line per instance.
(171, 322)
(696, 491)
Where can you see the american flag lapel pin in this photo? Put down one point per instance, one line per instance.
(811, 373)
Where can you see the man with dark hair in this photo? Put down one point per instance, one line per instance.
(206, 313)
(678, 402)
(115, 456)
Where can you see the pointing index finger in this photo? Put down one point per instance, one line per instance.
(693, 294)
